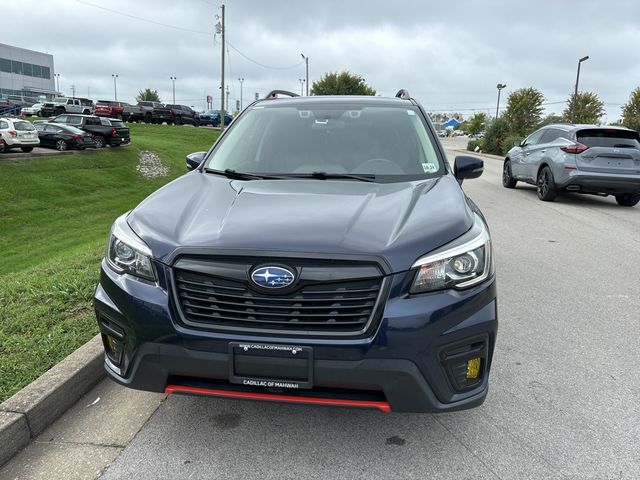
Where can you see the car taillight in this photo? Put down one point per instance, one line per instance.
(12, 133)
(114, 132)
(577, 148)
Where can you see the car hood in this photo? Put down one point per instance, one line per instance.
(396, 221)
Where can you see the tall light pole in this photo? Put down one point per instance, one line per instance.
(500, 86)
(227, 96)
(173, 80)
(575, 93)
(57, 75)
(306, 60)
(222, 32)
(241, 80)
(115, 86)
(301, 80)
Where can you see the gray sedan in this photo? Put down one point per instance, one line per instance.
(578, 158)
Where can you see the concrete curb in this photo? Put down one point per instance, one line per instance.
(27, 413)
(486, 155)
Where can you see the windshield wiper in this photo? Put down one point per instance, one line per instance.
(235, 175)
(331, 176)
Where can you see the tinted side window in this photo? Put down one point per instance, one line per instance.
(534, 138)
(550, 135)
(93, 121)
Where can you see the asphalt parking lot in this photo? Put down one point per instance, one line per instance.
(563, 402)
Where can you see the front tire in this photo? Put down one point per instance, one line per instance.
(547, 191)
(148, 118)
(99, 142)
(4, 148)
(507, 179)
(61, 145)
(26, 149)
(628, 199)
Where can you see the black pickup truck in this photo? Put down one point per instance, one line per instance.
(106, 131)
(178, 114)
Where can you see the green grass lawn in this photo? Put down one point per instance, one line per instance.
(55, 215)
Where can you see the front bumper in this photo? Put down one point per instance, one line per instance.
(404, 362)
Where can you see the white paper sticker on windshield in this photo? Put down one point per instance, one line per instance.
(429, 168)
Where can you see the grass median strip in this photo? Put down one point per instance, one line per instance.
(55, 214)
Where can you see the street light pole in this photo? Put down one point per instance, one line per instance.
(500, 86)
(301, 80)
(57, 75)
(575, 93)
(115, 87)
(306, 60)
(173, 80)
(241, 80)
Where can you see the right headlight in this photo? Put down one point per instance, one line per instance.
(127, 253)
(462, 263)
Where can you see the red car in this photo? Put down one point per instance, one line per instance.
(107, 108)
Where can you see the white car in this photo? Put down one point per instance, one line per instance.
(34, 109)
(16, 133)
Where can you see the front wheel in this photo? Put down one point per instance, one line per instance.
(26, 149)
(507, 179)
(546, 187)
(4, 148)
(628, 199)
(99, 142)
(61, 145)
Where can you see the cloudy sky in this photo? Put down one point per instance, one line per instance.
(448, 54)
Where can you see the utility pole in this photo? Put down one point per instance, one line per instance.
(227, 96)
(301, 80)
(222, 91)
(115, 87)
(306, 60)
(241, 80)
(73, 91)
(173, 80)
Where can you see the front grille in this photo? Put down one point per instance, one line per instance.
(343, 307)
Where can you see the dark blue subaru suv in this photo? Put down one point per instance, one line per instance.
(321, 252)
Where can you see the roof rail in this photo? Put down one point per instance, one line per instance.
(404, 94)
(274, 94)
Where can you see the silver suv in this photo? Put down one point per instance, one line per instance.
(577, 158)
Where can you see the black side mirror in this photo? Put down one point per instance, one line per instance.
(467, 167)
(195, 159)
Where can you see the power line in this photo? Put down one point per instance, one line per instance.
(143, 19)
(262, 64)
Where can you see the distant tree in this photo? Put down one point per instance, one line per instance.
(631, 111)
(477, 123)
(148, 95)
(524, 110)
(586, 107)
(343, 83)
(551, 118)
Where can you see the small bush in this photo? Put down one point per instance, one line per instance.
(509, 141)
(471, 146)
(495, 137)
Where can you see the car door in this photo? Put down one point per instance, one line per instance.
(520, 161)
(532, 154)
(48, 135)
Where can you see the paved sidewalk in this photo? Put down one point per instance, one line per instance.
(87, 438)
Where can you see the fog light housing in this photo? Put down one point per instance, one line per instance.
(113, 338)
(465, 362)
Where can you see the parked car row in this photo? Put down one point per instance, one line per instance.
(155, 112)
(68, 131)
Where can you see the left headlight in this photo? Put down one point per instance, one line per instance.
(127, 253)
(463, 263)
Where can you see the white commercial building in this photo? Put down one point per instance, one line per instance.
(26, 73)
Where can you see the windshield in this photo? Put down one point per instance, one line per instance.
(23, 126)
(604, 137)
(391, 143)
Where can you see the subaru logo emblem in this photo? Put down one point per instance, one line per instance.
(272, 277)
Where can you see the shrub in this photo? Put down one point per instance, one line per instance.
(507, 144)
(471, 146)
(495, 136)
